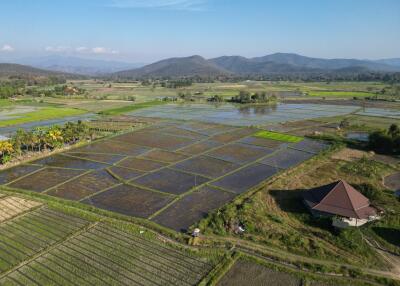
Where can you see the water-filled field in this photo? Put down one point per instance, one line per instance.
(171, 172)
(247, 115)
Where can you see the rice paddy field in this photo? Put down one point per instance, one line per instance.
(171, 172)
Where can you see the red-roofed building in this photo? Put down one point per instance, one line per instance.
(340, 200)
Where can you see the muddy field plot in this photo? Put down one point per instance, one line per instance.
(249, 273)
(141, 164)
(104, 255)
(113, 147)
(393, 181)
(200, 147)
(64, 161)
(246, 178)
(273, 144)
(129, 200)
(13, 206)
(84, 186)
(98, 157)
(286, 158)
(45, 179)
(14, 173)
(206, 166)
(240, 153)
(311, 146)
(124, 173)
(180, 132)
(155, 140)
(233, 135)
(171, 181)
(193, 208)
(164, 156)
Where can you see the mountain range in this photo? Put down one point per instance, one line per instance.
(76, 65)
(197, 66)
(279, 63)
(8, 70)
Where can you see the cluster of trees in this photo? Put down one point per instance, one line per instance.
(43, 138)
(14, 87)
(247, 97)
(176, 83)
(386, 141)
(216, 98)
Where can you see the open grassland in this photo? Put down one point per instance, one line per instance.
(275, 215)
(340, 94)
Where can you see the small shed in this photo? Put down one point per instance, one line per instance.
(340, 200)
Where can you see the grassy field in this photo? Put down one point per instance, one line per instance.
(340, 94)
(132, 107)
(275, 215)
(44, 113)
(278, 136)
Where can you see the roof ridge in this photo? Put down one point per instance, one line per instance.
(321, 201)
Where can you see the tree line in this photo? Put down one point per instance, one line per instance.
(386, 141)
(43, 138)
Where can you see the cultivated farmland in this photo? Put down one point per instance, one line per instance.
(46, 246)
(171, 172)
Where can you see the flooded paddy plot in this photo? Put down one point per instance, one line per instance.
(113, 147)
(240, 153)
(155, 140)
(45, 179)
(84, 186)
(124, 173)
(11, 174)
(246, 178)
(193, 208)
(13, 206)
(164, 156)
(286, 158)
(180, 132)
(230, 114)
(64, 161)
(311, 146)
(263, 142)
(380, 112)
(233, 135)
(129, 200)
(26, 235)
(200, 147)
(104, 255)
(393, 181)
(171, 181)
(206, 166)
(100, 157)
(249, 273)
(140, 164)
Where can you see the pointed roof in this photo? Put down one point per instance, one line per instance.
(339, 198)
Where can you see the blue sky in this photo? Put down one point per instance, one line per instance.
(148, 30)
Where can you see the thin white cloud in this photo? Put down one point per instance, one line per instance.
(57, 49)
(190, 5)
(7, 48)
(80, 50)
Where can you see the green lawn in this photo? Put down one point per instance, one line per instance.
(132, 107)
(278, 136)
(339, 93)
(42, 114)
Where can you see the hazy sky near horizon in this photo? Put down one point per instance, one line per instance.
(149, 30)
